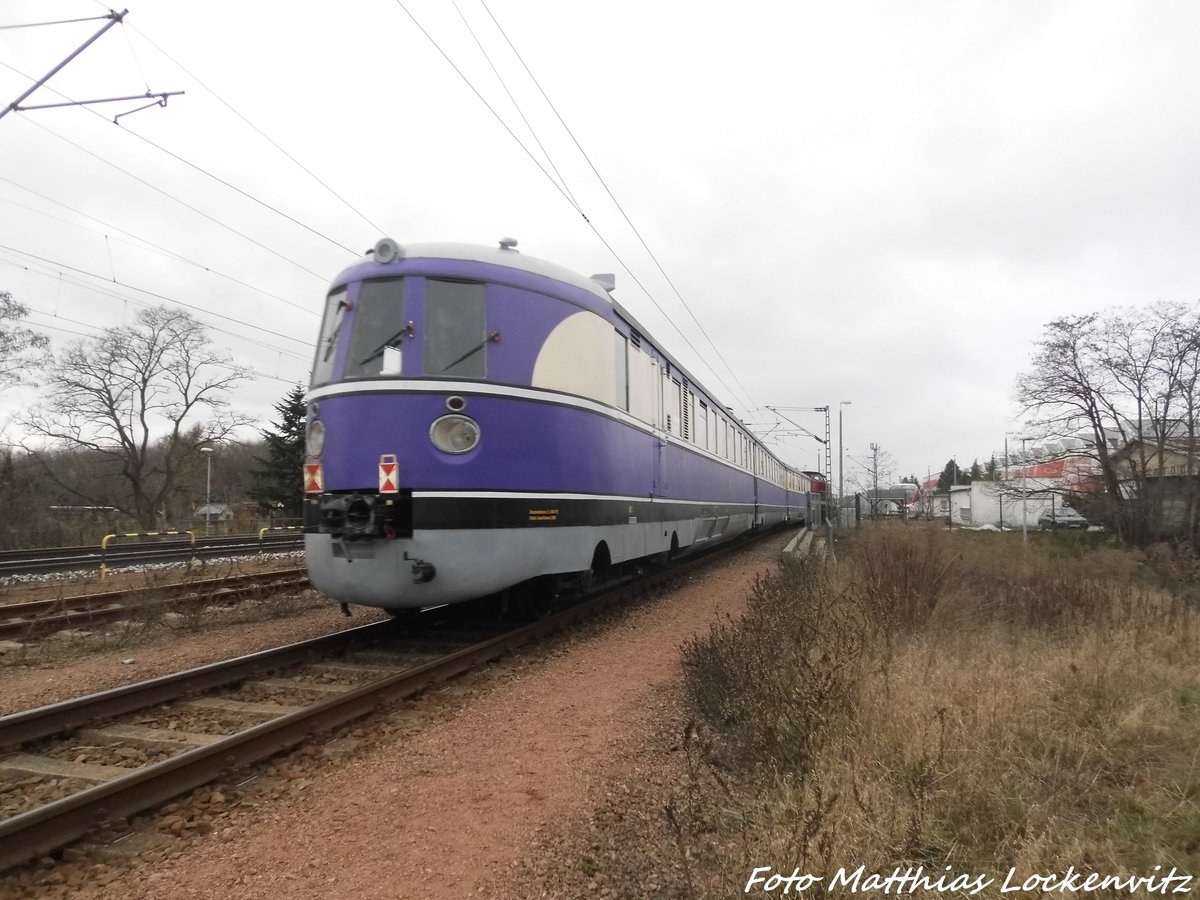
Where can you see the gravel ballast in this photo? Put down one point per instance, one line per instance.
(48, 672)
(454, 806)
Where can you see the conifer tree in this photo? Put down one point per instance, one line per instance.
(278, 476)
(951, 475)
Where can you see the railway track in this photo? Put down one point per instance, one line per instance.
(92, 762)
(35, 618)
(53, 560)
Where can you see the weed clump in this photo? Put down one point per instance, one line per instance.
(773, 682)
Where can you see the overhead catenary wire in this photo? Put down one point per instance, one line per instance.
(478, 43)
(171, 254)
(234, 188)
(490, 108)
(563, 187)
(155, 294)
(568, 198)
(616, 203)
(182, 203)
(239, 336)
(102, 328)
(81, 334)
(247, 369)
(376, 228)
(57, 22)
(193, 166)
(94, 289)
(133, 53)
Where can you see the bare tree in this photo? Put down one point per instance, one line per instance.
(142, 399)
(21, 349)
(1182, 368)
(1125, 378)
(1066, 391)
(876, 469)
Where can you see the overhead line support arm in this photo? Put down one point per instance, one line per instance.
(114, 19)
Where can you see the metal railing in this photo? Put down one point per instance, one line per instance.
(141, 535)
(263, 531)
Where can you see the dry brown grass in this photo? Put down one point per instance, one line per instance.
(945, 700)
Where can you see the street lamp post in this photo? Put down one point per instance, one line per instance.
(841, 463)
(1004, 477)
(208, 452)
(1024, 495)
(950, 490)
(927, 503)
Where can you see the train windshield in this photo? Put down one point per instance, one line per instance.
(379, 329)
(455, 329)
(335, 311)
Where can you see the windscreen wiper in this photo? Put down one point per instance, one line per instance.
(466, 355)
(390, 342)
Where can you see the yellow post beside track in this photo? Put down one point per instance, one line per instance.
(141, 535)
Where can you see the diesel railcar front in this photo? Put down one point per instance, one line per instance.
(479, 419)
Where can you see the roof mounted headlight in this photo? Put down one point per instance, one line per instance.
(455, 434)
(386, 250)
(314, 441)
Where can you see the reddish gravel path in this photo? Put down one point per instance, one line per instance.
(441, 813)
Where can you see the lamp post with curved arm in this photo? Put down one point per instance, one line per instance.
(841, 462)
(208, 452)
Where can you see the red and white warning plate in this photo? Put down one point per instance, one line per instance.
(389, 475)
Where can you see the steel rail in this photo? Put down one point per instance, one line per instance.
(45, 828)
(36, 617)
(67, 559)
(214, 541)
(107, 598)
(45, 721)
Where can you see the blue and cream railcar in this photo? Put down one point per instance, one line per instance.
(478, 418)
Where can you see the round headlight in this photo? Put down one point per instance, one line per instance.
(454, 434)
(314, 443)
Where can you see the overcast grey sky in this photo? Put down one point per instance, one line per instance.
(874, 202)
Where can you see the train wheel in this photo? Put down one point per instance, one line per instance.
(405, 615)
(601, 569)
(529, 601)
(538, 598)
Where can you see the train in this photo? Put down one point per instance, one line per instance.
(485, 424)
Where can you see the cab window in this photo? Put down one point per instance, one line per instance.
(335, 311)
(377, 344)
(455, 329)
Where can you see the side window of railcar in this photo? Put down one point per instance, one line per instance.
(675, 405)
(621, 367)
(379, 329)
(335, 311)
(455, 328)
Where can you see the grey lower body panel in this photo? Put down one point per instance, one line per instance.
(471, 563)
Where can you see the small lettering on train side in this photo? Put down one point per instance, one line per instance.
(543, 515)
